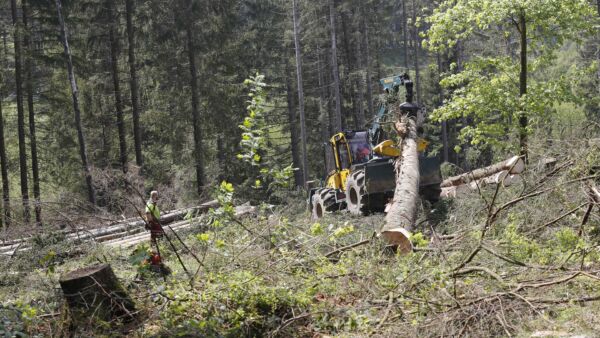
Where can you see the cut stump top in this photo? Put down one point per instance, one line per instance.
(83, 272)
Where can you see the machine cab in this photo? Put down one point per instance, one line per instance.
(349, 148)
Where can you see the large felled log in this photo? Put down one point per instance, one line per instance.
(500, 178)
(514, 165)
(175, 215)
(401, 215)
(179, 226)
(107, 233)
(94, 293)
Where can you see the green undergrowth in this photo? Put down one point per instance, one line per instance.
(490, 263)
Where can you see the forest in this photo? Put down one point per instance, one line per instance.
(337, 168)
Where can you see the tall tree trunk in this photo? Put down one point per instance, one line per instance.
(439, 102)
(221, 157)
(598, 52)
(195, 109)
(32, 134)
(402, 212)
(133, 84)
(523, 121)
(337, 125)
(296, 19)
(292, 120)
(378, 58)
(324, 114)
(416, 52)
(105, 123)
(358, 78)
(77, 111)
(114, 61)
(4, 164)
(368, 76)
(351, 78)
(20, 111)
(405, 33)
(3, 157)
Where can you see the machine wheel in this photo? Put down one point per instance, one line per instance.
(323, 201)
(356, 197)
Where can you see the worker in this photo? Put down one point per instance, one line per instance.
(361, 153)
(153, 217)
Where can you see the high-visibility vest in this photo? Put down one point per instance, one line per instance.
(152, 208)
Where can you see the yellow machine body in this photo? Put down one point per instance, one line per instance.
(363, 161)
(387, 148)
(337, 178)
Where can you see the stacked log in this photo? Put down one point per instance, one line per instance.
(115, 231)
(505, 173)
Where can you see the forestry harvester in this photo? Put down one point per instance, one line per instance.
(363, 180)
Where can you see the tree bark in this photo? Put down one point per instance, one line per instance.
(416, 53)
(405, 34)
(297, 47)
(4, 163)
(20, 111)
(195, 109)
(3, 157)
(324, 114)
(337, 125)
(133, 84)
(360, 98)
(351, 78)
(445, 145)
(221, 158)
(114, 58)
(402, 211)
(368, 76)
(358, 79)
(95, 293)
(32, 133)
(77, 111)
(378, 58)
(598, 53)
(523, 120)
(292, 121)
(514, 165)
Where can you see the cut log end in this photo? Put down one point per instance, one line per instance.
(398, 238)
(516, 165)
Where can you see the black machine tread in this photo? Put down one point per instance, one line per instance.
(325, 200)
(356, 181)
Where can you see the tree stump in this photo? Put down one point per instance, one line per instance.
(95, 293)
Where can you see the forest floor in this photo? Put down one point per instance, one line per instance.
(517, 261)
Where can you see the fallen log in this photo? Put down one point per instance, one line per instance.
(500, 178)
(114, 231)
(167, 218)
(514, 165)
(95, 293)
(178, 226)
(402, 211)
